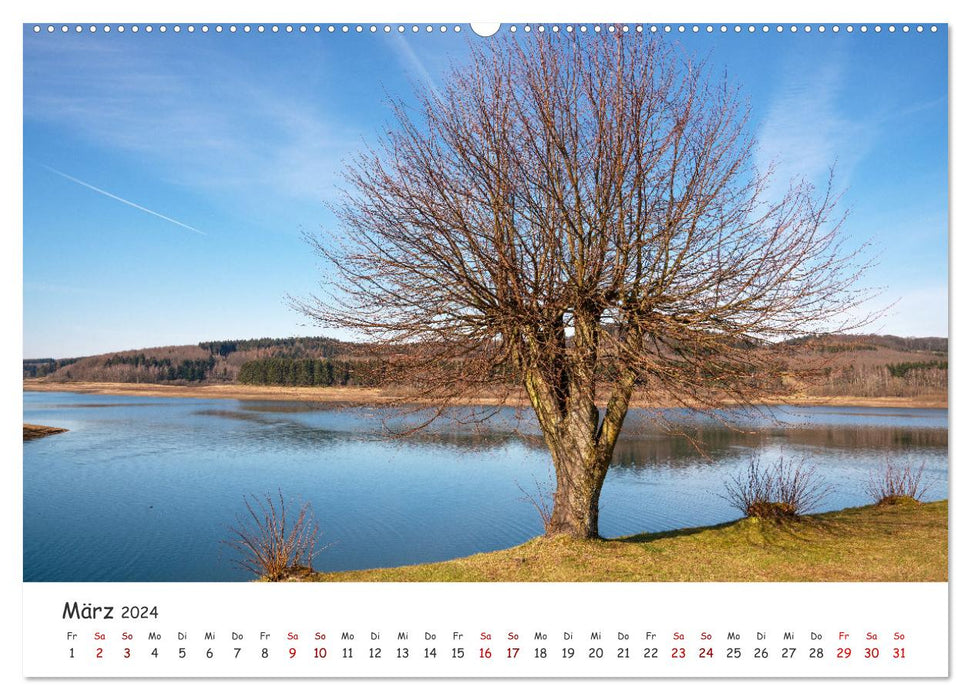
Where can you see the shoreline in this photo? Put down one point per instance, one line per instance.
(360, 396)
(904, 542)
(34, 432)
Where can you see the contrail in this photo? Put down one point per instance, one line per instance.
(122, 200)
(417, 65)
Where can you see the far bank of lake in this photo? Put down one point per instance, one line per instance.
(363, 396)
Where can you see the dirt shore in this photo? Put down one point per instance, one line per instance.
(376, 397)
(32, 432)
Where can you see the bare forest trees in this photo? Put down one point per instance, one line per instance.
(580, 217)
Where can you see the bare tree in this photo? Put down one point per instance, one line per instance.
(580, 217)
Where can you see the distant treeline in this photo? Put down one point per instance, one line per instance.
(284, 371)
(283, 347)
(850, 343)
(903, 369)
(35, 369)
(218, 361)
(165, 369)
(913, 379)
(853, 365)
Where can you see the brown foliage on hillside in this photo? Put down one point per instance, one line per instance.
(862, 365)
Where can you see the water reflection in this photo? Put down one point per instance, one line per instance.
(643, 444)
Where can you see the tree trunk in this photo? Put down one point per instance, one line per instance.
(580, 440)
(576, 501)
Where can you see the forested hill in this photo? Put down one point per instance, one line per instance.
(293, 361)
(857, 365)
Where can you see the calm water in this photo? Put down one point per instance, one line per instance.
(143, 489)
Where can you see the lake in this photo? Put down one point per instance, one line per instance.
(144, 489)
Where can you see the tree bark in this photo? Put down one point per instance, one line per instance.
(582, 446)
(580, 440)
(576, 501)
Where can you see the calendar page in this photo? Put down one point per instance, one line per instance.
(512, 350)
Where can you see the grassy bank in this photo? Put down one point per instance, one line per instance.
(363, 396)
(906, 542)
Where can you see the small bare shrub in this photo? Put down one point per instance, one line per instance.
(785, 489)
(893, 484)
(270, 544)
(541, 499)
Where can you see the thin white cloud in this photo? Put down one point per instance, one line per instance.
(806, 132)
(123, 200)
(201, 122)
(416, 64)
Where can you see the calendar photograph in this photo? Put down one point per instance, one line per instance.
(580, 303)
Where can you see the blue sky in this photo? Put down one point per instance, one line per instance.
(168, 177)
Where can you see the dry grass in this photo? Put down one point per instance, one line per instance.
(32, 432)
(906, 542)
(340, 395)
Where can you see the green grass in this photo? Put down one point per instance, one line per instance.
(902, 542)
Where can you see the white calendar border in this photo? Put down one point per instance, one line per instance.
(442, 10)
(371, 629)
